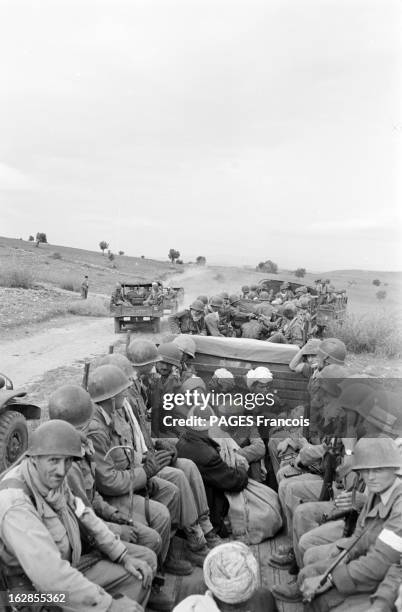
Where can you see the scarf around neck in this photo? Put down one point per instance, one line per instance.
(57, 499)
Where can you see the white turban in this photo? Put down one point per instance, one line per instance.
(223, 373)
(197, 603)
(260, 374)
(231, 572)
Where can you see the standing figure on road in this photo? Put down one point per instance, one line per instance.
(84, 288)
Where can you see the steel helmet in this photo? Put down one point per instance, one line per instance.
(142, 352)
(70, 403)
(233, 299)
(311, 347)
(253, 287)
(185, 344)
(333, 349)
(285, 285)
(289, 310)
(106, 382)
(245, 288)
(264, 295)
(303, 303)
(224, 295)
(57, 438)
(203, 299)
(118, 360)
(198, 306)
(170, 353)
(374, 453)
(216, 301)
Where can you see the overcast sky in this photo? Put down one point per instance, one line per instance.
(238, 130)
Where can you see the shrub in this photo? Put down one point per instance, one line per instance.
(94, 306)
(70, 284)
(370, 333)
(121, 252)
(300, 272)
(17, 277)
(31, 239)
(110, 256)
(41, 237)
(201, 260)
(268, 266)
(56, 255)
(376, 282)
(381, 295)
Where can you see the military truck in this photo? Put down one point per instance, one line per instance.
(130, 310)
(14, 413)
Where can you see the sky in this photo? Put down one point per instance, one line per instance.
(238, 130)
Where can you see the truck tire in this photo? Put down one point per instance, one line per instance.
(117, 326)
(13, 437)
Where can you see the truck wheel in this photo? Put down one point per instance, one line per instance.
(13, 437)
(117, 326)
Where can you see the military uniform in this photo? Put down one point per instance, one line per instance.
(114, 477)
(183, 323)
(368, 562)
(41, 549)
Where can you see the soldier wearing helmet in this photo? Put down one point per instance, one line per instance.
(379, 529)
(155, 295)
(189, 321)
(215, 319)
(245, 292)
(194, 514)
(123, 465)
(238, 314)
(291, 329)
(41, 519)
(187, 346)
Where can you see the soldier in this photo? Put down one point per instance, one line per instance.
(41, 524)
(155, 296)
(73, 404)
(180, 472)
(218, 477)
(189, 321)
(187, 346)
(292, 329)
(238, 315)
(213, 318)
(117, 296)
(117, 478)
(245, 292)
(379, 529)
(84, 288)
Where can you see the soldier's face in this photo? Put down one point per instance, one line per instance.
(195, 315)
(119, 399)
(378, 479)
(52, 470)
(163, 368)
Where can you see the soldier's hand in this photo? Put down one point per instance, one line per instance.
(129, 533)
(344, 501)
(120, 518)
(311, 587)
(163, 458)
(124, 604)
(139, 569)
(150, 465)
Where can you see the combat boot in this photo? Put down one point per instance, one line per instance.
(212, 539)
(175, 564)
(160, 601)
(284, 558)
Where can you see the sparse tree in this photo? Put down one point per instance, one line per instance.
(201, 260)
(173, 255)
(121, 252)
(300, 272)
(142, 256)
(381, 295)
(40, 237)
(31, 239)
(103, 245)
(376, 282)
(268, 266)
(179, 261)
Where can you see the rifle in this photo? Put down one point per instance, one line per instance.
(87, 365)
(329, 464)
